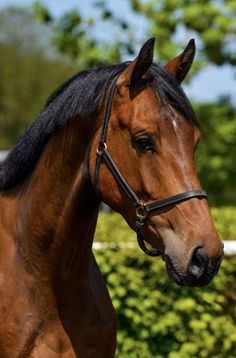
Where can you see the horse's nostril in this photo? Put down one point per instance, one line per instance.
(198, 263)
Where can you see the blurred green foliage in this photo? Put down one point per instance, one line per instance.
(30, 71)
(156, 318)
(225, 221)
(73, 36)
(211, 22)
(216, 152)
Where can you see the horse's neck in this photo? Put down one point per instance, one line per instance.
(59, 210)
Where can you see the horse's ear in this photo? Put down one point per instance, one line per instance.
(181, 64)
(143, 61)
(135, 71)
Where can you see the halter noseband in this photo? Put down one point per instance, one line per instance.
(142, 209)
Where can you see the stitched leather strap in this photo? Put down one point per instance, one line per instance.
(143, 247)
(102, 140)
(119, 177)
(175, 199)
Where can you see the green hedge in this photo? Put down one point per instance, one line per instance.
(225, 221)
(158, 318)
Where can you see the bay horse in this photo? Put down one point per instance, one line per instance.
(125, 134)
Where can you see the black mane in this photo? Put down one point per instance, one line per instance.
(80, 97)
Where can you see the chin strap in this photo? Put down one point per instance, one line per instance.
(142, 245)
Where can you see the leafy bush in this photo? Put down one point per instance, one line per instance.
(225, 221)
(157, 318)
(216, 151)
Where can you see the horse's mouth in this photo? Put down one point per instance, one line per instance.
(188, 280)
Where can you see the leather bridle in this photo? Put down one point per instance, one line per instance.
(142, 209)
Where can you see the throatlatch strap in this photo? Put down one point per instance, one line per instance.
(108, 110)
(123, 183)
(104, 133)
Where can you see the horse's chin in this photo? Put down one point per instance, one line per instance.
(178, 277)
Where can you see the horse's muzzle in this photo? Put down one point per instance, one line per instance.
(200, 270)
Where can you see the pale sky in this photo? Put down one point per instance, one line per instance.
(208, 85)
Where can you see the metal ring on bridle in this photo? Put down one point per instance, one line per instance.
(141, 212)
(102, 147)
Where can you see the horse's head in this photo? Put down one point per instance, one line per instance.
(151, 136)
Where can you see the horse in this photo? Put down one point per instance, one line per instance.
(124, 134)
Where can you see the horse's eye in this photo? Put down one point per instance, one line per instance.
(144, 143)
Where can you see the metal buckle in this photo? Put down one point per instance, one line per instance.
(102, 147)
(141, 212)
